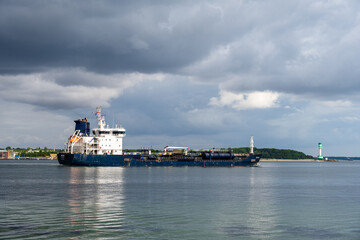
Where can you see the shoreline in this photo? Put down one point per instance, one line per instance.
(286, 160)
(295, 160)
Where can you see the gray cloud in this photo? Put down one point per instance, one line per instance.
(103, 37)
(308, 53)
(69, 88)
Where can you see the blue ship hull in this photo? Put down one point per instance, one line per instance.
(136, 161)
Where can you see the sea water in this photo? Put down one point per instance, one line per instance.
(278, 200)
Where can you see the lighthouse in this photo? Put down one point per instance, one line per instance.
(320, 154)
(251, 145)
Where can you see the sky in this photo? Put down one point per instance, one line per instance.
(200, 74)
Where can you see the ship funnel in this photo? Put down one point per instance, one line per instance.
(83, 126)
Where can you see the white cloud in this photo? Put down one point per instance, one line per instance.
(27, 126)
(241, 101)
(337, 104)
(69, 88)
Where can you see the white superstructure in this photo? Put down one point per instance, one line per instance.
(105, 140)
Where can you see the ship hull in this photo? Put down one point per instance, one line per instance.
(136, 161)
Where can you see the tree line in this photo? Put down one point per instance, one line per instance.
(34, 152)
(275, 153)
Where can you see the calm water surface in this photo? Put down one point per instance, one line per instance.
(279, 200)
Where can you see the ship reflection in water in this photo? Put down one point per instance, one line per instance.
(157, 201)
(96, 199)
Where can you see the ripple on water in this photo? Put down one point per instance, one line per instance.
(310, 232)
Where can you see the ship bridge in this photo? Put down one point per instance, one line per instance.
(105, 140)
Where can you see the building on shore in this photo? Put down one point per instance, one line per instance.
(4, 154)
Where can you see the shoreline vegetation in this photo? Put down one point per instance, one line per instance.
(274, 153)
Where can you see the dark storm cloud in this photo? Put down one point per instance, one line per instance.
(297, 47)
(109, 36)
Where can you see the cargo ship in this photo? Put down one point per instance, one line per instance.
(104, 147)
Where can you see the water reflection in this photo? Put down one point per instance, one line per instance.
(260, 207)
(96, 199)
(276, 201)
(253, 215)
(217, 203)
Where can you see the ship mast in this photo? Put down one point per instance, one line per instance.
(101, 119)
